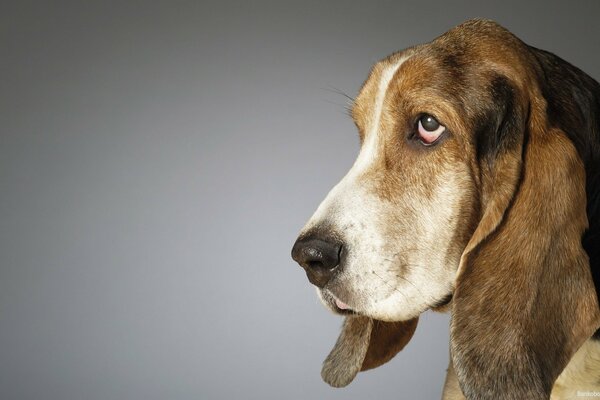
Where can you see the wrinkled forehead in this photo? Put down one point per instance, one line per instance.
(419, 78)
(449, 77)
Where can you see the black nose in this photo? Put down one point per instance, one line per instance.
(319, 258)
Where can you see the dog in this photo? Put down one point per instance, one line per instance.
(476, 191)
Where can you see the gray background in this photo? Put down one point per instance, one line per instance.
(156, 163)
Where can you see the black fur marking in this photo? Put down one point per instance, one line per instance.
(453, 61)
(574, 106)
(500, 128)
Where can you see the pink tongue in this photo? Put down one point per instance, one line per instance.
(341, 305)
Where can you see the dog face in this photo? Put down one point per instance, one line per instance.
(402, 216)
(398, 215)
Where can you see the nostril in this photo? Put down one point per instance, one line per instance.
(319, 254)
(319, 258)
(315, 264)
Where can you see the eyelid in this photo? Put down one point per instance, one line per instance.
(429, 137)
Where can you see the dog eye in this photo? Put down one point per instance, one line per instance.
(429, 129)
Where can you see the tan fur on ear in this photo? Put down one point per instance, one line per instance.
(525, 300)
(364, 344)
(345, 359)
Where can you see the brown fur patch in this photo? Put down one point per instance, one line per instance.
(387, 339)
(525, 300)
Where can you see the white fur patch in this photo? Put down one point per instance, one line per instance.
(368, 152)
(580, 378)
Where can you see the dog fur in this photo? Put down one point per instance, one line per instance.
(500, 215)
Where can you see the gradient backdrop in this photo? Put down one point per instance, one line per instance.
(157, 160)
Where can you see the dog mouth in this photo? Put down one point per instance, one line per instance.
(335, 304)
(338, 306)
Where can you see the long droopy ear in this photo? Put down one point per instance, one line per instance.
(363, 344)
(524, 300)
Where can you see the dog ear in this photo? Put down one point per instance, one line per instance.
(363, 344)
(524, 300)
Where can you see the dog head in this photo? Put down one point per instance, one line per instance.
(462, 189)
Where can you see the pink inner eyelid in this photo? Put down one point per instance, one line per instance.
(430, 137)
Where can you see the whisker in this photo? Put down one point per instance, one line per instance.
(416, 287)
(428, 298)
(344, 106)
(390, 286)
(333, 89)
(349, 99)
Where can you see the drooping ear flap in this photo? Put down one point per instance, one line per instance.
(363, 344)
(524, 299)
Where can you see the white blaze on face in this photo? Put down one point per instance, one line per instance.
(395, 262)
(366, 157)
(369, 151)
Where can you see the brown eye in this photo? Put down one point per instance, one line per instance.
(429, 123)
(429, 129)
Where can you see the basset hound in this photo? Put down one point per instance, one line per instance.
(476, 190)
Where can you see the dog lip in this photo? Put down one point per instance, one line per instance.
(443, 302)
(336, 304)
(340, 304)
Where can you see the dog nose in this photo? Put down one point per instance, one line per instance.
(319, 258)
